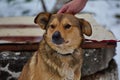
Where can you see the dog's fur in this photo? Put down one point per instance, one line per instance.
(59, 56)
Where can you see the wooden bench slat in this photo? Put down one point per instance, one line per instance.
(18, 26)
(34, 46)
(18, 39)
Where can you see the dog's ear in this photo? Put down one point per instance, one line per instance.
(42, 19)
(86, 27)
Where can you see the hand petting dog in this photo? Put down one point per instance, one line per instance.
(73, 7)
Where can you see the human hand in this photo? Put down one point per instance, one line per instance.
(73, 7)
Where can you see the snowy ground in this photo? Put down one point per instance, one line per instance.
(106, 12)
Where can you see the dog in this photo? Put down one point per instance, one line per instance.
(59, 56)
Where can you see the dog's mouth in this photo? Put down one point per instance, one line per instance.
(60, 42)
(66, 42)
(64, 49)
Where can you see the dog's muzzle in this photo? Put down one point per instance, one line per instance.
(56, 38)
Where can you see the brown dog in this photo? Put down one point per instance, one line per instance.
(59, 56)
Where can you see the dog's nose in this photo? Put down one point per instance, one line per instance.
(56, 38)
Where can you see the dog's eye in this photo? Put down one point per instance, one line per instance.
(67, 26)
(52, 26)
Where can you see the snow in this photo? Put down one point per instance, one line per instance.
(21, 7)
(13, 74)
(104, 12)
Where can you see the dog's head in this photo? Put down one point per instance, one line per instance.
(64, 32)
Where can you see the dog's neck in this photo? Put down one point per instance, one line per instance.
(59, 61)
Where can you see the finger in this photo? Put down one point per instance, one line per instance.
(62, 10)
(70, 11)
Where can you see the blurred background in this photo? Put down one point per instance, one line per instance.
(105, 12)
